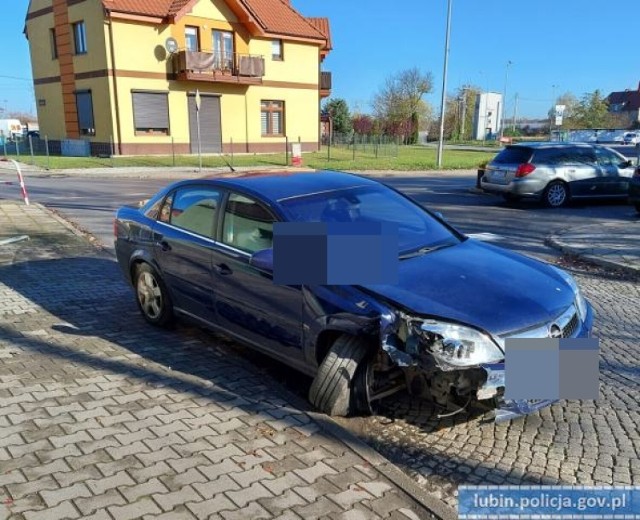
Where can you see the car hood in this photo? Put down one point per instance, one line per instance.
(480, 285)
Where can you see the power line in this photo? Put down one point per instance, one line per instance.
(16, 77)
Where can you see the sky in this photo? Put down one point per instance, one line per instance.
(554, 46)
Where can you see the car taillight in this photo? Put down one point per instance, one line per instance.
(525, 169)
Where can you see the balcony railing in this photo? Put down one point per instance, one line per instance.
(224, 67)
(325, 84)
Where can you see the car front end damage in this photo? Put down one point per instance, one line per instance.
(455, 365)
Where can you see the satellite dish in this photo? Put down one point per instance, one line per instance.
(171, 44)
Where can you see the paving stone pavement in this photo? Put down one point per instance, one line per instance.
(105, 417)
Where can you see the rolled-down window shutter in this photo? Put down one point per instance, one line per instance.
(151, 111)
(85, 112)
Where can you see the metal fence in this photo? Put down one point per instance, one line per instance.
(336, 152)
(360, 145)
(53, 154)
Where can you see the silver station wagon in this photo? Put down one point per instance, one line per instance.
(557, 172)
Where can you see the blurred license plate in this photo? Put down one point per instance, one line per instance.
(499, 176)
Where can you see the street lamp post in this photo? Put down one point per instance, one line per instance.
(504, 98)
(552, 111)
(444, 85)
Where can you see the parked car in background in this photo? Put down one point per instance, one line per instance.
(631, 138)
(203, 249)
(634, 189)
(556, 173)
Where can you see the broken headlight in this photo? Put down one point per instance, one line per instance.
(458, 346)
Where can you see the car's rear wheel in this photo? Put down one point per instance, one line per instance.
(556, 194)
(152, 296)
(332, 389)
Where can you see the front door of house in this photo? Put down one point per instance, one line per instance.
(210, 125)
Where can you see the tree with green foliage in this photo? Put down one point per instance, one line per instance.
(400, 105)
(338, 110)
(592, 111)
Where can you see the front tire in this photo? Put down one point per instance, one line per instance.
(152, 296)
(556, 194)
(332, 389)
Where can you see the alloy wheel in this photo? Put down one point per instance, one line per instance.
(556, 195)
(150, 295)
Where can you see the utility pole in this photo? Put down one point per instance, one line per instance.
(515, 113)
(444, 86)
(552, 112)
(504, 98)
(464, 112)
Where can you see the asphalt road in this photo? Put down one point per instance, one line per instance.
(91, 202)
(585, 442)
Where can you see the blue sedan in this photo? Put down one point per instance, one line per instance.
(202, 248)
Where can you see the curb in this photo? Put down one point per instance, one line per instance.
(434, 507)
(555, 242)
(75, 229)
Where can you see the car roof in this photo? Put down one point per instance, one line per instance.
(281, 185)
(550, 144)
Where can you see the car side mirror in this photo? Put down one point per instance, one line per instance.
(262, 260)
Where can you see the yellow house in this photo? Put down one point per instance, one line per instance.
(136, 76)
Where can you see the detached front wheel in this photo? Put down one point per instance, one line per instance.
(152, 297)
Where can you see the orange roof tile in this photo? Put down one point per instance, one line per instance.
(178, 5)
(272, 16)
(322, 25)
(278, 17)
(158, 8)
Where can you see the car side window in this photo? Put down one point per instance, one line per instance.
(549, 156)
(247, 224)
(194, 209)
(582, 156)
(606, 158)
(164, 215)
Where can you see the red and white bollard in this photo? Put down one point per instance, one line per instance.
(23, 188)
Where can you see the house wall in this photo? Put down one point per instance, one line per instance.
(142, 63)
(208, 16)
(46, 72)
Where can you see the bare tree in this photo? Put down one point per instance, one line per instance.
(399, 102)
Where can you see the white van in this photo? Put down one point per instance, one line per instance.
(11, 128)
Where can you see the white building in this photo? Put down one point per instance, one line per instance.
(487, 116)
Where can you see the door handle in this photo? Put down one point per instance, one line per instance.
(164, 245)
(222, 269)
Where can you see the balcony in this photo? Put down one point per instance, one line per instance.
(325, 84)
(243, 69)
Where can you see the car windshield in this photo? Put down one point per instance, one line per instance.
(418, 232)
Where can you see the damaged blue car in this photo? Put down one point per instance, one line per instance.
(202, 249)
